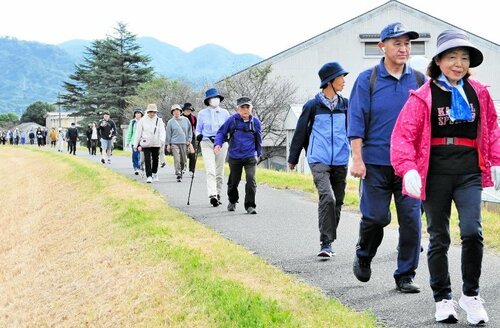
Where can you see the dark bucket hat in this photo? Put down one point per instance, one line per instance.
(188, 106)
(138, 110)
(450, 39)
(330, 71)
(212, 93)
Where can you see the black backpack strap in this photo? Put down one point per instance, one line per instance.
(373, 78)
(420, 77)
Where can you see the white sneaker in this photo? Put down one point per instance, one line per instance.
(445, 311)
(155, 177)
(473, 305)
(149, 180)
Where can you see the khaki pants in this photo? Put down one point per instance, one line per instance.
(214, 166)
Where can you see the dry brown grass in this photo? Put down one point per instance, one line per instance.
(74, 255)
(56, 267)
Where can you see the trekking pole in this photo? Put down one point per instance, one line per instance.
(195, 161)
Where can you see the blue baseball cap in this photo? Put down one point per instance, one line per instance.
(395, 30)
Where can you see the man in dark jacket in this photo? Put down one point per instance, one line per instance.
(321, 131)
(245, 147)
(72, 135)
(107, 131)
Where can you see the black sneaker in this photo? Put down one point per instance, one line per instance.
(407, 285)
(361, 269)
(231, 207)
(326, 250)
(179, 178)
(214, 201)
(163, 164)
(103, 161)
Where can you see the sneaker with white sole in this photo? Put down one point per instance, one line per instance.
(473, 305)
(326, 250)
(445, 311)
(149, 180)
(155, 177)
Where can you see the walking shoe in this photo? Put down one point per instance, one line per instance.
(407, 285)
(136, 172)
(163, 164)
(218, 199)
(445, 311)
(473, 305)
(179, 179)
(214, 201)
(155, 177)
(149, 180)
(361, 269)
(103, 161)
(251, 210)
(231, 207)
(326, 250)
(109, 160)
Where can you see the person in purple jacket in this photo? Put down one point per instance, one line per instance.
(243, 130)
(445, 144)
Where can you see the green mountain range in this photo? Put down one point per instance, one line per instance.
(33, 71)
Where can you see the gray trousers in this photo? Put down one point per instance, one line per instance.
(330, 181)
(179, 153)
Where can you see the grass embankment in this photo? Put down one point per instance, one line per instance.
(304, 182)
(84, 246)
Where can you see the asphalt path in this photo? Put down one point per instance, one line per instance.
(285, 233)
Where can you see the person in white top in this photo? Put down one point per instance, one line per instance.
(209, 121)
(150, 136)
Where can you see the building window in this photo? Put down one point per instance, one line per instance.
(372, 50)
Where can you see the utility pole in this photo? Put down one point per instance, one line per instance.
(59, 106)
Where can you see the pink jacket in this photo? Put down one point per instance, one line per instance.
(411, 137)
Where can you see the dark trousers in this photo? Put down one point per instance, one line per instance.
(465, 192)
(377, 189)
(331, 182)
(151, 157)
(72, 146)
(235, 170)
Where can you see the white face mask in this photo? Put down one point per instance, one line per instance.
(214, 102)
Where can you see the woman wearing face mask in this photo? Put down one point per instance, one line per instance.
(209, 121)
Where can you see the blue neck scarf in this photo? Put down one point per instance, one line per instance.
(460, 108)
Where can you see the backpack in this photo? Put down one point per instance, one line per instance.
(252, 129)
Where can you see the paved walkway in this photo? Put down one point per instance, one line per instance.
(285, 233)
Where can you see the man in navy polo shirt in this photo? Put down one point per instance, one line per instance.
(376, 99)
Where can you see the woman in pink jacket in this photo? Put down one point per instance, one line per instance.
(445, 144)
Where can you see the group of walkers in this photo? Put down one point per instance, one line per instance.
(214, 132)
(426, 140)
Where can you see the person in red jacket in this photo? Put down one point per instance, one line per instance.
(444, 144)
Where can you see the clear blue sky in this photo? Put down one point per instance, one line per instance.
(261, 27)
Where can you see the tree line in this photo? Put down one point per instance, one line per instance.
(116, 76)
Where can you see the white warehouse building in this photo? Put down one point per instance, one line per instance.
(354, 45)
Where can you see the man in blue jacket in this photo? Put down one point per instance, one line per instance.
(321, 131)
(376, 100)
(245, 147)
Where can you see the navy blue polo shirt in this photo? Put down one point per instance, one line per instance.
(372, 118)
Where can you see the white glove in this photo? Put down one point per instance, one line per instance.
(495, 173)
(413, 183)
